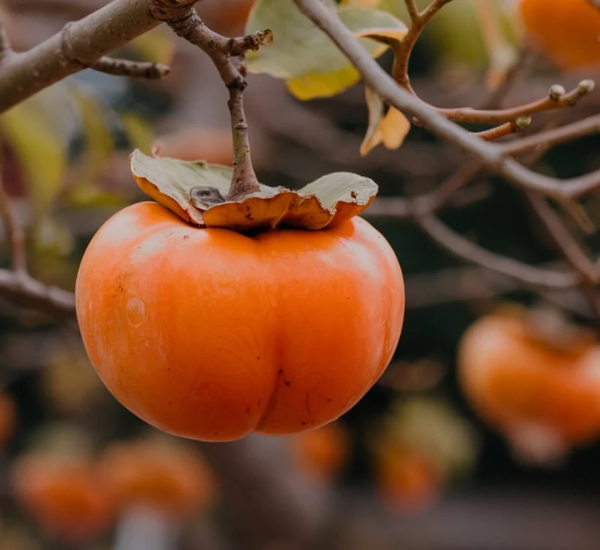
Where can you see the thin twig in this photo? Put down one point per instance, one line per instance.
(220, 49)
(556, 136)
(403, 51)
(81, 44)
(505, 129)
(489, 153)
(125, 67)
(557, 98)
(461, 247)
(569, 248)
(22, 289)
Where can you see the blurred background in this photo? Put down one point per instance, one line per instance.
(417, 464)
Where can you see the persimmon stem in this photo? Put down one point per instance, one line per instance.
(244, 181)
(221, 49)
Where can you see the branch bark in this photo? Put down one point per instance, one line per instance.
(489, 153)
(81, 44)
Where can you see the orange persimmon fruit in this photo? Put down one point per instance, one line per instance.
(65, 496)
(540, 389)
(174, 481)
(407, 479)
(8, 417)
(567, 31)
(321, 453)
(211, 334)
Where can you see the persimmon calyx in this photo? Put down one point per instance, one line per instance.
(196, 191)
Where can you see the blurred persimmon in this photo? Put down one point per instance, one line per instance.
(212, 145)
(407, 478)
(420, 447)
(65, 496)
(321, 453)
(230, 18)
(169, 478)
(534, 378)
(8, 417)
(567, 31)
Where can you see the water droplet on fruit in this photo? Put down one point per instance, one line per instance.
(136, 312)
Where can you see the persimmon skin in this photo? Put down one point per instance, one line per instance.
(513, 380)
(210, 334)
(566, 30)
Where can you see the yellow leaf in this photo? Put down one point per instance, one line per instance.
(156, 46)
(389, 129)
(37, 131)
(305, 57)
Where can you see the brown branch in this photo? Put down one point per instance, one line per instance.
(81, 44)
(570, 249)
(125, 67)
(555, 136)
(505, 129)
(220, 49)
(557, 98)
(23, 290)
(461, 247)
(403, 51)
(475, 283)
(489, 153)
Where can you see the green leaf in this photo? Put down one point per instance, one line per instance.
(304, 56)
(196, 192)
(38, 130)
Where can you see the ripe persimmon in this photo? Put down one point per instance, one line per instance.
(64, 495)
(174, 481)
(321, 453)
(566, 31)
(8, 417)
(540, 389)
(211, 334)
(408, 479)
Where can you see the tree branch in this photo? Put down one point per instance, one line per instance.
(461, 247)
(489, 153)
(220, 49)
(81, 44)
(25, 291)
(124, 67)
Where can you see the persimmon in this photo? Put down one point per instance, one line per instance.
(64, 495)
(566, 31)
(406, 478)
(321, 453)
(211, 334)
(8, 417)
(538, 386)
(172, 480)
(420, 447)
(230, 17)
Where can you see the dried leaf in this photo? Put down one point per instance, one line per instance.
(389, 129)
(305, 57)
(195, 191)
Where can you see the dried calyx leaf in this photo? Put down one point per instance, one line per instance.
(197, 192)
